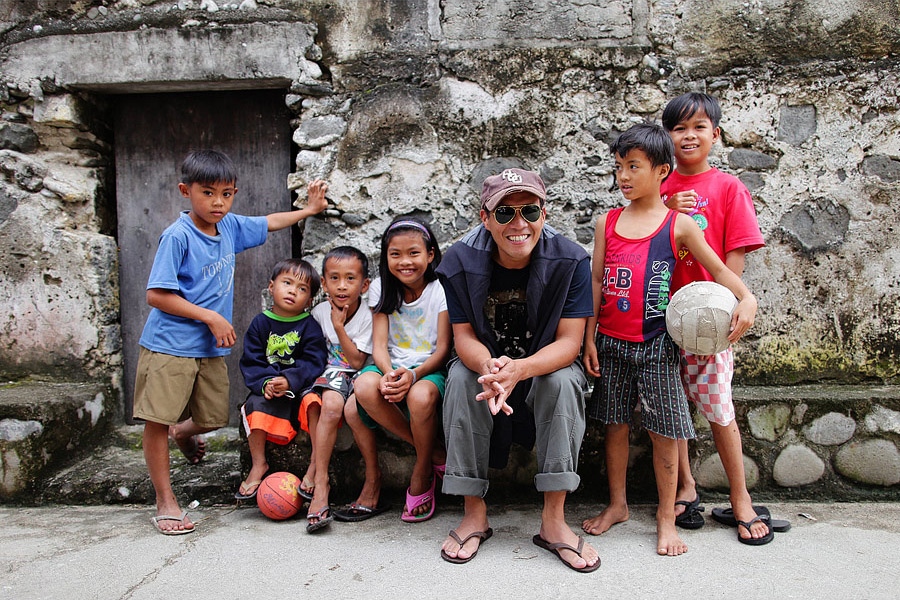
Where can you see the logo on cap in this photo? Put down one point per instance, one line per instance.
(511, 176)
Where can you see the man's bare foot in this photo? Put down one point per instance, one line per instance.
(608, 517)
(667, 541)
(560, 532)
(470, 524)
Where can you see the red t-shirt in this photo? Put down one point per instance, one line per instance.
(725, 214)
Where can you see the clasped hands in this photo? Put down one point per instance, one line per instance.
(502, 375)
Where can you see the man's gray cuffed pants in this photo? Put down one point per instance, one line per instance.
(557, 402)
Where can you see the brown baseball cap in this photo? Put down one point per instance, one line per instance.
(510, 181)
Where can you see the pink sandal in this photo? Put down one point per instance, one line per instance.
(414, 502)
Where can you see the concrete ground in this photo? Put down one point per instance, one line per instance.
(112, 552)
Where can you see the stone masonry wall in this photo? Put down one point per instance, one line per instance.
(406, 105)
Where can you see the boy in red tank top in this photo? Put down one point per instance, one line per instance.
(723, 208)
(634, 359)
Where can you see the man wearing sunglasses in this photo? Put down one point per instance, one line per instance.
(518, 294)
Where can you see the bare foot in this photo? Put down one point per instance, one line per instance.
(470, 524)
(193, 447)
(667, 541)
(371, 492)
(608, 517)
(561, 532)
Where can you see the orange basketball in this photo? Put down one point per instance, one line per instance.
(277, 497)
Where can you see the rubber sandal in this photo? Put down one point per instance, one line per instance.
(323, 521)
(691, 517)
(414, 502)
(557, 546)
(358, 512)
(751, 541)
(484, 535)
(440, 470)
(725, 516)
(155, 520)
(306, 494)
(254, 484)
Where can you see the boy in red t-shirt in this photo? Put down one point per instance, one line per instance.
(722, 207)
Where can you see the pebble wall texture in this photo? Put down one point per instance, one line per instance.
(406, 105)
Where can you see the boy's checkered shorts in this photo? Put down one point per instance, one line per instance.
(707, 381)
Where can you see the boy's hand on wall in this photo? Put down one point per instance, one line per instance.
(315, 193)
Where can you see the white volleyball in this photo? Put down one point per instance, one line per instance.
(699, 317)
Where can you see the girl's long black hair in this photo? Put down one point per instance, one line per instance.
(391, 288)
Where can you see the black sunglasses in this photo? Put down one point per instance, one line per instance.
(530, 212)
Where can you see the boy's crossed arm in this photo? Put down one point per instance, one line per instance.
(315, 204)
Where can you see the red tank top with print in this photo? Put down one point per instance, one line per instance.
(637, 276)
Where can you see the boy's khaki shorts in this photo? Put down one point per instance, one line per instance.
(169, 389)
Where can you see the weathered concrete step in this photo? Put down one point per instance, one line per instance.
(42, 424)
(115, 473)
(800, 442)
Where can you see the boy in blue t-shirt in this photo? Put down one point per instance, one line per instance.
(181, 385)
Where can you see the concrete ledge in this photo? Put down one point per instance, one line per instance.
(811, 442)
(42, 424)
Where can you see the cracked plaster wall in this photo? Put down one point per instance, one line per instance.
(405, 106)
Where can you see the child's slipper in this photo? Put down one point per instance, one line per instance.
(557, 546)
(414, 502)
(323, 521)
(691, 517)
(751, 541)
(725, 516)
(484, 535)
(359, 512)
(306, 494)
(244, 492)
(155, 520)
(440, 470)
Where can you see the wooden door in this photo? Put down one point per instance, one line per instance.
(153, 134)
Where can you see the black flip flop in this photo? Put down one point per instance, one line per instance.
(691, 517)
(725, 516)
(557, 546)
(322, 522)
(358, 512)
(751, 541)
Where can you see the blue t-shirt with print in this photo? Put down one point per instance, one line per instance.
(200, 268)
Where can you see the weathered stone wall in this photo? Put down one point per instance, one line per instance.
(404, 106)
